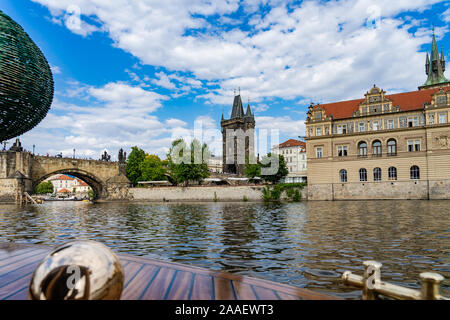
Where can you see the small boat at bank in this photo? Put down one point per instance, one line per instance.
(151, 279)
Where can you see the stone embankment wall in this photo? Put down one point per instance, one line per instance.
(227, 193)
(224, 193)
(395, 190)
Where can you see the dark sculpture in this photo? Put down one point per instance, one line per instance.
(17, 146)
(106, 157)
(26, 81)
(122, 156)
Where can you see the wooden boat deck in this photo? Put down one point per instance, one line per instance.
(149, 279)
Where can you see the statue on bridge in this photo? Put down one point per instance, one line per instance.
(122, 156)
(106, 157)
(17, 146)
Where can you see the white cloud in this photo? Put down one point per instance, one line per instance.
(163, 81)
(176, 123)
(121, 95)
(446, 15)
(260, 108)
(113, 116)
(56, 69)
(285, 125)
(318, 50)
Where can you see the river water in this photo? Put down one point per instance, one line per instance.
(308, 244)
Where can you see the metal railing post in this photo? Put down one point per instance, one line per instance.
(372, 276)
(431, 283)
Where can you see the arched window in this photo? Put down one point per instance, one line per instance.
(362, 175)
(377, 174)
(343, 175)
(362, 146)
(376, 148)
(392, 173)
(415, 173)
(392, 147)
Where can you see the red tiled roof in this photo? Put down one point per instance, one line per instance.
(81, 183)
(63, 191)
(407, 101)
(293, 143)
(63, 177)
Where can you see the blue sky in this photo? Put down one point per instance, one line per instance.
(143, 72)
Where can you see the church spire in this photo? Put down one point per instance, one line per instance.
(435, 66)
(238, 109)
(249, 112)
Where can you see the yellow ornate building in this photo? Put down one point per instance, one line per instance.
(383, 146)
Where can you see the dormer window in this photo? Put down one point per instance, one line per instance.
(318, 115)
(441, 100)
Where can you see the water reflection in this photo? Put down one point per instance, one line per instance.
(305, 244)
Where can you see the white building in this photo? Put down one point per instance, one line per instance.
(64, 182)
(215, 164)
(294, 153)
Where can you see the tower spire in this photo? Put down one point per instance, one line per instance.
(435, 66)
(238, 109)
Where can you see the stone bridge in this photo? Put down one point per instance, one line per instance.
(22, 171)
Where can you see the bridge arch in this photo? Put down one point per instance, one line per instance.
(94, 182)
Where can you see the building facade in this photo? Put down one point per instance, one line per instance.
(238, 134)
(215, 164)
(294, 153)
(63, 183)
(383, 146)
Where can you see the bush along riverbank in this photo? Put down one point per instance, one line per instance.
(283, 192)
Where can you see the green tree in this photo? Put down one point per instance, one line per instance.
(91, 194)
(188, 163)
(136, 157)
(282, 168)
(152, 169)
(44, 188)
(252, 169)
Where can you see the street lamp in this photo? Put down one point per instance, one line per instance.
(74, 153)
(33, 149)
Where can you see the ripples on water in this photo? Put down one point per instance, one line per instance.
(307, 244)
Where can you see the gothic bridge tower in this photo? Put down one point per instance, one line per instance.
(238, 134)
